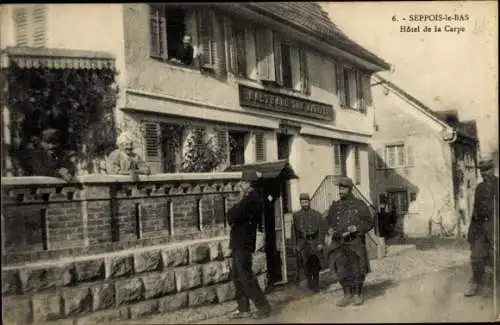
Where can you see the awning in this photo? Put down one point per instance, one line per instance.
(279, 169)
(36, 57)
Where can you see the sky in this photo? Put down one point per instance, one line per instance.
(445, 70)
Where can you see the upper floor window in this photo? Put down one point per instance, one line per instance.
(176, 32)
(30, 26)
(394, 156)
(353, 87)
(244, 62)
(340, 159)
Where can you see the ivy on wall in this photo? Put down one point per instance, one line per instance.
(76, 104)
(203, 152)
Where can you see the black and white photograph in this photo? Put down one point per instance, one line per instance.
(249, 162)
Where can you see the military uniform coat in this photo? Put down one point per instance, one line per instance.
(482, 221)
(343, 213)
(307, 232)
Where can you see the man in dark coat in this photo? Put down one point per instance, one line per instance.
(349, 220)
(481, 234)
(244, 218)
(306, 231)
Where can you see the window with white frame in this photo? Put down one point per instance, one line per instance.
(352, 87)
(30, 25)
(398, 201)
(394, 156)
(243, 51)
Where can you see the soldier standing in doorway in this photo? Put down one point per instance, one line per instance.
(481, 234)
(349, 220)
(306, 230)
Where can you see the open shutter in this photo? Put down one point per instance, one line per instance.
(260, 150)
(158, 31)
(207, 42)
(367, 90)
(219, 56)
(231, 53)
(295, 65)
(357, 166)
(359, 91)
(278, 66)
(337, 158)
(380, 158)
(39, 26)
(339, 82)
(152, 151)
(304, 72)
(21, 26)
(265, 54)
(222, 143)
(410, 159)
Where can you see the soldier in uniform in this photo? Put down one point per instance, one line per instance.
(306, 230)
(349, 220)
(481, 229)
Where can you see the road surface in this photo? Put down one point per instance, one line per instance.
(433, 297)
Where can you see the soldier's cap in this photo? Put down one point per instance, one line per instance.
(304, 196)
(345, 182)
(485, 164)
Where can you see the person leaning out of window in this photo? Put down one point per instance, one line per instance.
(184, 53)
(124, 161)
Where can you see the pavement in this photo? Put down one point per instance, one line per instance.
(416, 286)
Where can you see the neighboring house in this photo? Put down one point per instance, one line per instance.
(424, 162)
(269, 81)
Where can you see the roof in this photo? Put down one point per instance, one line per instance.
(450, 118)
(311, 18)
(264, 170)
(35, 57)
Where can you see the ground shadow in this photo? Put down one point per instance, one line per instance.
(377, 289)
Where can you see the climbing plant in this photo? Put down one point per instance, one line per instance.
(203, 153)
(77, 103)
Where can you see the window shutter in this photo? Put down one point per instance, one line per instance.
(367, 89)
(152, 151)
(222, 143)
(278, 66)
(39, 26)
(207, 38)
(337, 158)
(239, 50)
(357, 165)
(265, 54)
(219, 58)
(157, 31)
(380, 158)
(410, 159)
(21, 26)
(295, 65)
(339, 82)
(304, 72)
(260, 150)
(231, 53)
(359, 91)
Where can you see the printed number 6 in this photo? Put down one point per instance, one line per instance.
(394, 18)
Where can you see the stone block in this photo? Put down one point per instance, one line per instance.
(173, 302)
(174, 257)
(77, 301)
(129, 291)
(216, 251)
(199, 253)
(202, 296)
(159, 284)
(47, 307)
(259, 264)
(104, 317)
(143, 309)
(103, 296)
(188, 277)
(121, 266)
(39, 279)
(225, 292)
(89, 271)
(11, 283)
(16, 311)
(215, 272)
(148, 261)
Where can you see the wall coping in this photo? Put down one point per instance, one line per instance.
(109, 179)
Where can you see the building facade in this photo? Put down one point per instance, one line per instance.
(424, 163)
(268, 81)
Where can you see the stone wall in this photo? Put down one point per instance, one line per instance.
(109, 248)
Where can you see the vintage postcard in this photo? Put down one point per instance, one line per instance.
(249, 162)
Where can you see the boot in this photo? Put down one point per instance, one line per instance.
(316, 286)
(471, 289)
(358, 296)
(346, 300)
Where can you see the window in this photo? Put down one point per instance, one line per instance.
(242, 49)
(398, 201)
(171, 137)
(352, 87)
(236, 147)
(286, 66)
(283, 141)
(294, 72)
(357, 166)
(395, 156)
(340, 154)
(30, 26)
(260, 147)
